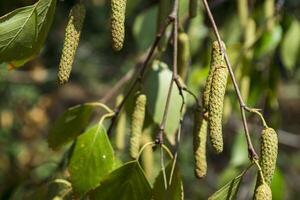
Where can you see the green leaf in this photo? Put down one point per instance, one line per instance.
(144, 28)
(156, 88)
(239, 154)
(290, 46)
(278, 186)
(92, 159)
(229, 191)
(68, 126)
(268, 42)
(125, 183)
(174, 191)
(24, 30)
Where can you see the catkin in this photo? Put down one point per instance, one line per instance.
(72, 35)
(216, 101)
(216, 60)
(199, 143)
(263, 192)
(137, 123)
(118, 8)
(268, 155)
(183, 54)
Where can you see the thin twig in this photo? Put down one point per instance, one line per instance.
(117, 86)
(159, 138)
(251, 150)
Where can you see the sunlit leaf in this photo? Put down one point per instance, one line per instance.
(68, 126)
(229, 191)
(24, 30)
(126, 182)
(239, 154)
(144, 28)
(278, 186)
(174, 190)
(91, 160)
(268, 42)
(156, 89)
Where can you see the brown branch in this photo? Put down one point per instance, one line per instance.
(251, 150)
(174, 18)
(117, 86)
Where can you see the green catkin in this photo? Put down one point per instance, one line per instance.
(216, 101)
(118, 9)
(183, 55)
(147, 156)
(72, 35)
(216, 60)
(137, 123)
(263, 192)
(121, 127)
(268, 155)
(199, 143)
(193, 8)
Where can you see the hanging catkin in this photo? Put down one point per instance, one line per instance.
(199, 142)
(268, 155)
(118, 8)
(216, 60)
(72, 35)
(183, 54)
(263, 192)
(137, 123)
(216, 101)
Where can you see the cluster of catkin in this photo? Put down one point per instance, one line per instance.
(73, 31)
(209, 119)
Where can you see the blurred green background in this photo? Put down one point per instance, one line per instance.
(264, 52)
